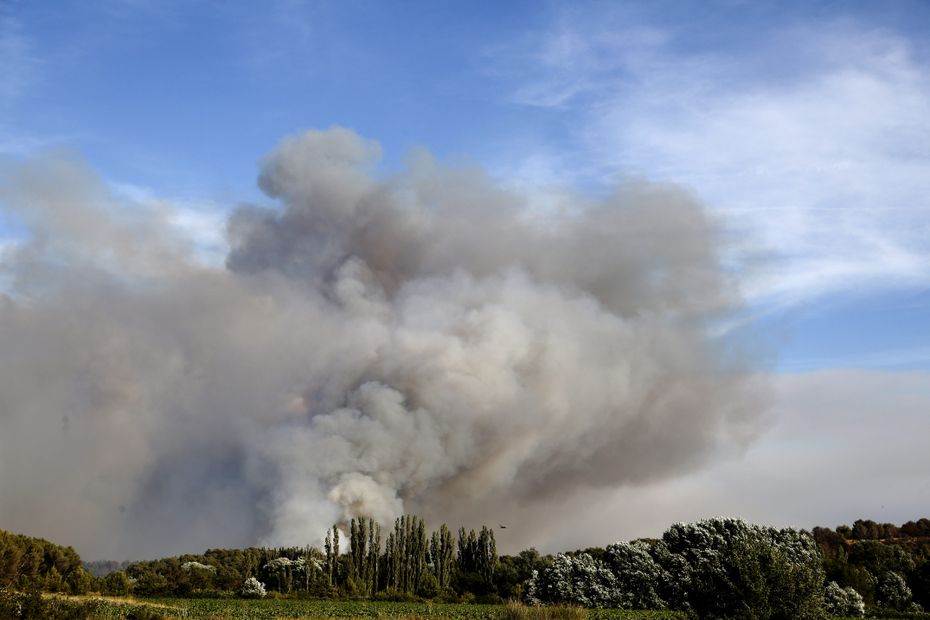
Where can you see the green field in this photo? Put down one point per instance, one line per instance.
(269, 609)
(100, 608)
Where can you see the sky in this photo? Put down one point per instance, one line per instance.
(803, 129)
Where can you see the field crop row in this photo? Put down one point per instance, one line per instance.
(273, 609)
(98, 608)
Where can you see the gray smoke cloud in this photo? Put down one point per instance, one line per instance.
(428, 342)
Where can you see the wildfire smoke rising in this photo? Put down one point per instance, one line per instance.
(423, 342)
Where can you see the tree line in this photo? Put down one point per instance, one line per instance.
(711, 568)
(888, 565)
(357, 560)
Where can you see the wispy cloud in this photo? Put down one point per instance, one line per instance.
(19, 65)
(811, 145)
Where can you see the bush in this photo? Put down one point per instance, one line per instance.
(429, 586)
(252, 588)
(117, 583)
(516, 611)
(31, 604)
(80, 581)
(489, 599)
(843, 601)
(150, 583)
(395, 596)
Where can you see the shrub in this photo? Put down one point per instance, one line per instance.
(429, 586)
(395, 596)
(843, 601)
(80, 581)
(252, 588)
(117, 583)
(489, 599)
(516, 611)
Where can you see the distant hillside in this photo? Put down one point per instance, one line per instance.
(102, 568)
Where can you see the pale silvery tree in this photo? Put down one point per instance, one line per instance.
(282, 570)
(729, 565)
(893, 591)
(845, 602)
(192, 566)
(639, 576)
(252, 588)
(575, 580)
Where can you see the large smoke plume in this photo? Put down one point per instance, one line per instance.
(425, 342)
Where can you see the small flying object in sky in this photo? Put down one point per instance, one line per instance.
(503, 527)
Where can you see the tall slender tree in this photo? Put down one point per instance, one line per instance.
(442, 556)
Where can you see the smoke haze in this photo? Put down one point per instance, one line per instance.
(424, 342)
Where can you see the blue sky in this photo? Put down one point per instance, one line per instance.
(803, 127)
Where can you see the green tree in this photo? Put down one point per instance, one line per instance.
(117, 583)
(442, 556)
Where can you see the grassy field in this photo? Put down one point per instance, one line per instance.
(270, 609)
(110, 608)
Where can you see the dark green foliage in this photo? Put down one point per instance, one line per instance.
(866, 529)
(364, 552)
(332, 556)
(404, 560)
(920, 585)
(117, 584)
(429, 586)
(916, 529)
(880, 558)
(34, 562)
(442, 557)
(514, 572)
(476, 561)
(228, 569)
(80, 581)
(859, 556)
(32, 604)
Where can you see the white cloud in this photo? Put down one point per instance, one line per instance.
(811, 147)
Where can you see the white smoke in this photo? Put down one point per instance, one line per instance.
(424, 342)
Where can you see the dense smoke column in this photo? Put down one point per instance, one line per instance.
(372, 345)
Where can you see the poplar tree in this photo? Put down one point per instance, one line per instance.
(374, 550)
(477, 553)
(365, 548)
(405, 554)
(442, 556)
(328, 546)
(332, 556)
